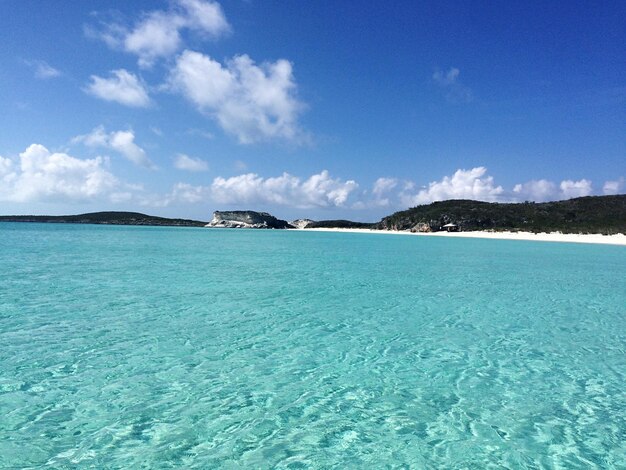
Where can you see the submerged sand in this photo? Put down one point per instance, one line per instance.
(619, 239)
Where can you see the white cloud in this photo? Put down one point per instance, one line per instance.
(319, 190)
(614, 187)
(448, 78)
(124, 143)
(464, 184)
(120, 141)
(42, 69)
(201, 133)
(122, 87)
(381, 187)
(42, 176)
(181, 194)
(455, 91)
(384, 185)
(252, 102)
(537, 190)
(571, 189)
(158, 34)
(185, 162)
(5, 166)
(205, 17)
(544, 190)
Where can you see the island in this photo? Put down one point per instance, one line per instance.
(590, 214)
(246, 219)
(105, 218)
(584, 215)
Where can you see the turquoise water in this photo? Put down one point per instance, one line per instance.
(139, 347)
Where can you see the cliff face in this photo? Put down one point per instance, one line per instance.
(246, 219)
(300, 223)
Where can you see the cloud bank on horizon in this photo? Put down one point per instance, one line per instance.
(254, 107)
(41, 175)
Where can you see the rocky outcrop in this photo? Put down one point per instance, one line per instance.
(421, 227)
(246, 219)
(301, 223)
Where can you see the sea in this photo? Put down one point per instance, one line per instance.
(158, 347)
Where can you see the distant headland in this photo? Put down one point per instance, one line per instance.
(105, 218)
(591, 214)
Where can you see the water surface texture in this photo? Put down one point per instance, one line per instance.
(140, 347)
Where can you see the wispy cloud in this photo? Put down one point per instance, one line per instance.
(157, 34)
(617, 186)
(42, 69)
(187, 163)
(122, 142)
(122, 87)
(381, 189)
(454, 90)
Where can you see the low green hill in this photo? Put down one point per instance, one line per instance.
(593, 214)
(339, 224)
(110, 218)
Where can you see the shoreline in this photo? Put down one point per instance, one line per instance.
(593, 238)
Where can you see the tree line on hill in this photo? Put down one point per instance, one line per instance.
(591, 214)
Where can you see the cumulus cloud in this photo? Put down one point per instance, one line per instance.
(252, 102)
(185, 162)
(536, 190)
(43, 176)
(122, 87)
(614, 187)
(42, 69)
(5, 166)
(571, 189)
(455, 91)
(158, 34)
(463, 184)
(181, 194)
(122, 142)
(382, 186)
(545, 190)
(319, 190)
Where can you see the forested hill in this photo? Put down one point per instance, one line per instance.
(110, 218)
(592, 214)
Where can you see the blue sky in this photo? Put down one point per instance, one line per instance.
(320, 109)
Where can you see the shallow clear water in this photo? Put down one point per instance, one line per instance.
(171, 347)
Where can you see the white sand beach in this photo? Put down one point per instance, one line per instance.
(619, 239)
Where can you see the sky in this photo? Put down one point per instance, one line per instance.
(324, 109)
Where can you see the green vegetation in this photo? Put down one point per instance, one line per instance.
(593, 214)
(339, 224)
(110, 218)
